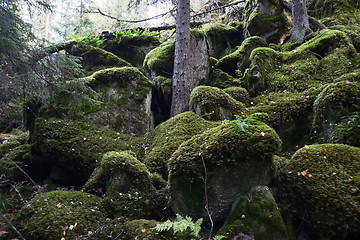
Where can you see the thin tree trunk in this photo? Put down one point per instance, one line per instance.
(300, 20)
(47, 24)
(181, 77)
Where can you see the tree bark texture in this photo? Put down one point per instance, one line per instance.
(300, 20)
(182, 74)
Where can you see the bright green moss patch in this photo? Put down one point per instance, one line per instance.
(220, 79)
(118, 172)
(258, 214)
(75, 146)
(168, 136)
(320, 180)
(239, 94)
(58, 214)
(161, 59)
(213, 103)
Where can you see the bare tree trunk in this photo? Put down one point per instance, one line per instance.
(300, 20)
(182, 75)
(47, 24)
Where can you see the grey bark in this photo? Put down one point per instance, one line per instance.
(181, 77)
(300, 20)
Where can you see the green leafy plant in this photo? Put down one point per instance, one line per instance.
(241, 124)
(180, 225)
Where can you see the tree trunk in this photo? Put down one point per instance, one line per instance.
(47, 25)
(181, 77)
(300, 20)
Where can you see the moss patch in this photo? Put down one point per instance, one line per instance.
(60, 214)
(213, 103)
(321, 181)
(168, 136)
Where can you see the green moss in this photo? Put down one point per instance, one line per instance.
(220, 79)
(239, 60)
(335, 100)
(213, 103)
(239, 94)
(258, 214)
(161, 59)
(120, 171)
(95, 58)
(75, 146)
(168, 136)
(230, 157)
(123, 78)
(58, 214)
(348, 131)
(9, 141)
(319, 180)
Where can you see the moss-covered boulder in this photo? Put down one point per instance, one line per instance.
(160, 60)
(167, 137)
(325, 57)
(321, 184)
(9, 141)
(131, 47)
(255, 214)
(61, 214)
(235, 161)
(335, 12)
(74, 147)
(335, 101)
(118, 173)
(213, 103)
(126, 96)
(347, 131)
(222, 38)
(239, 94)
(95, 58)
(267, 19)
(161, 99)
(236, 62)
(219, 78)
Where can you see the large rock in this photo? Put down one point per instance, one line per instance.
(213, 103)
(71, 150)
(118, 173)
(235, 161)
(267, 19)
(169, 135)
(255, 215)
(126, 96)
(320, 186)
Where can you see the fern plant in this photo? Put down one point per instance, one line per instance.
(242, 124)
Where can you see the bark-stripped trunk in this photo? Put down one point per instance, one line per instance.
(300, 20)
(182, 75)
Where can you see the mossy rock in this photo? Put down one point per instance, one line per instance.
(267, 19)
(136, 205)
(219, 78)
(238, 61)
(239, 94)
(213, 103)
(132, 48)
(335, 101)
(76, 147)
(348, 131)
(323, 182)
(126, 96)
(222, 38)
(118, 173)
(61, 214)
(161, 59)
(322, 59)
(335, 12)
(95, 58)
(167, 137)
(161, 99)
(235, 162)
(258, 214)
(9, 141)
